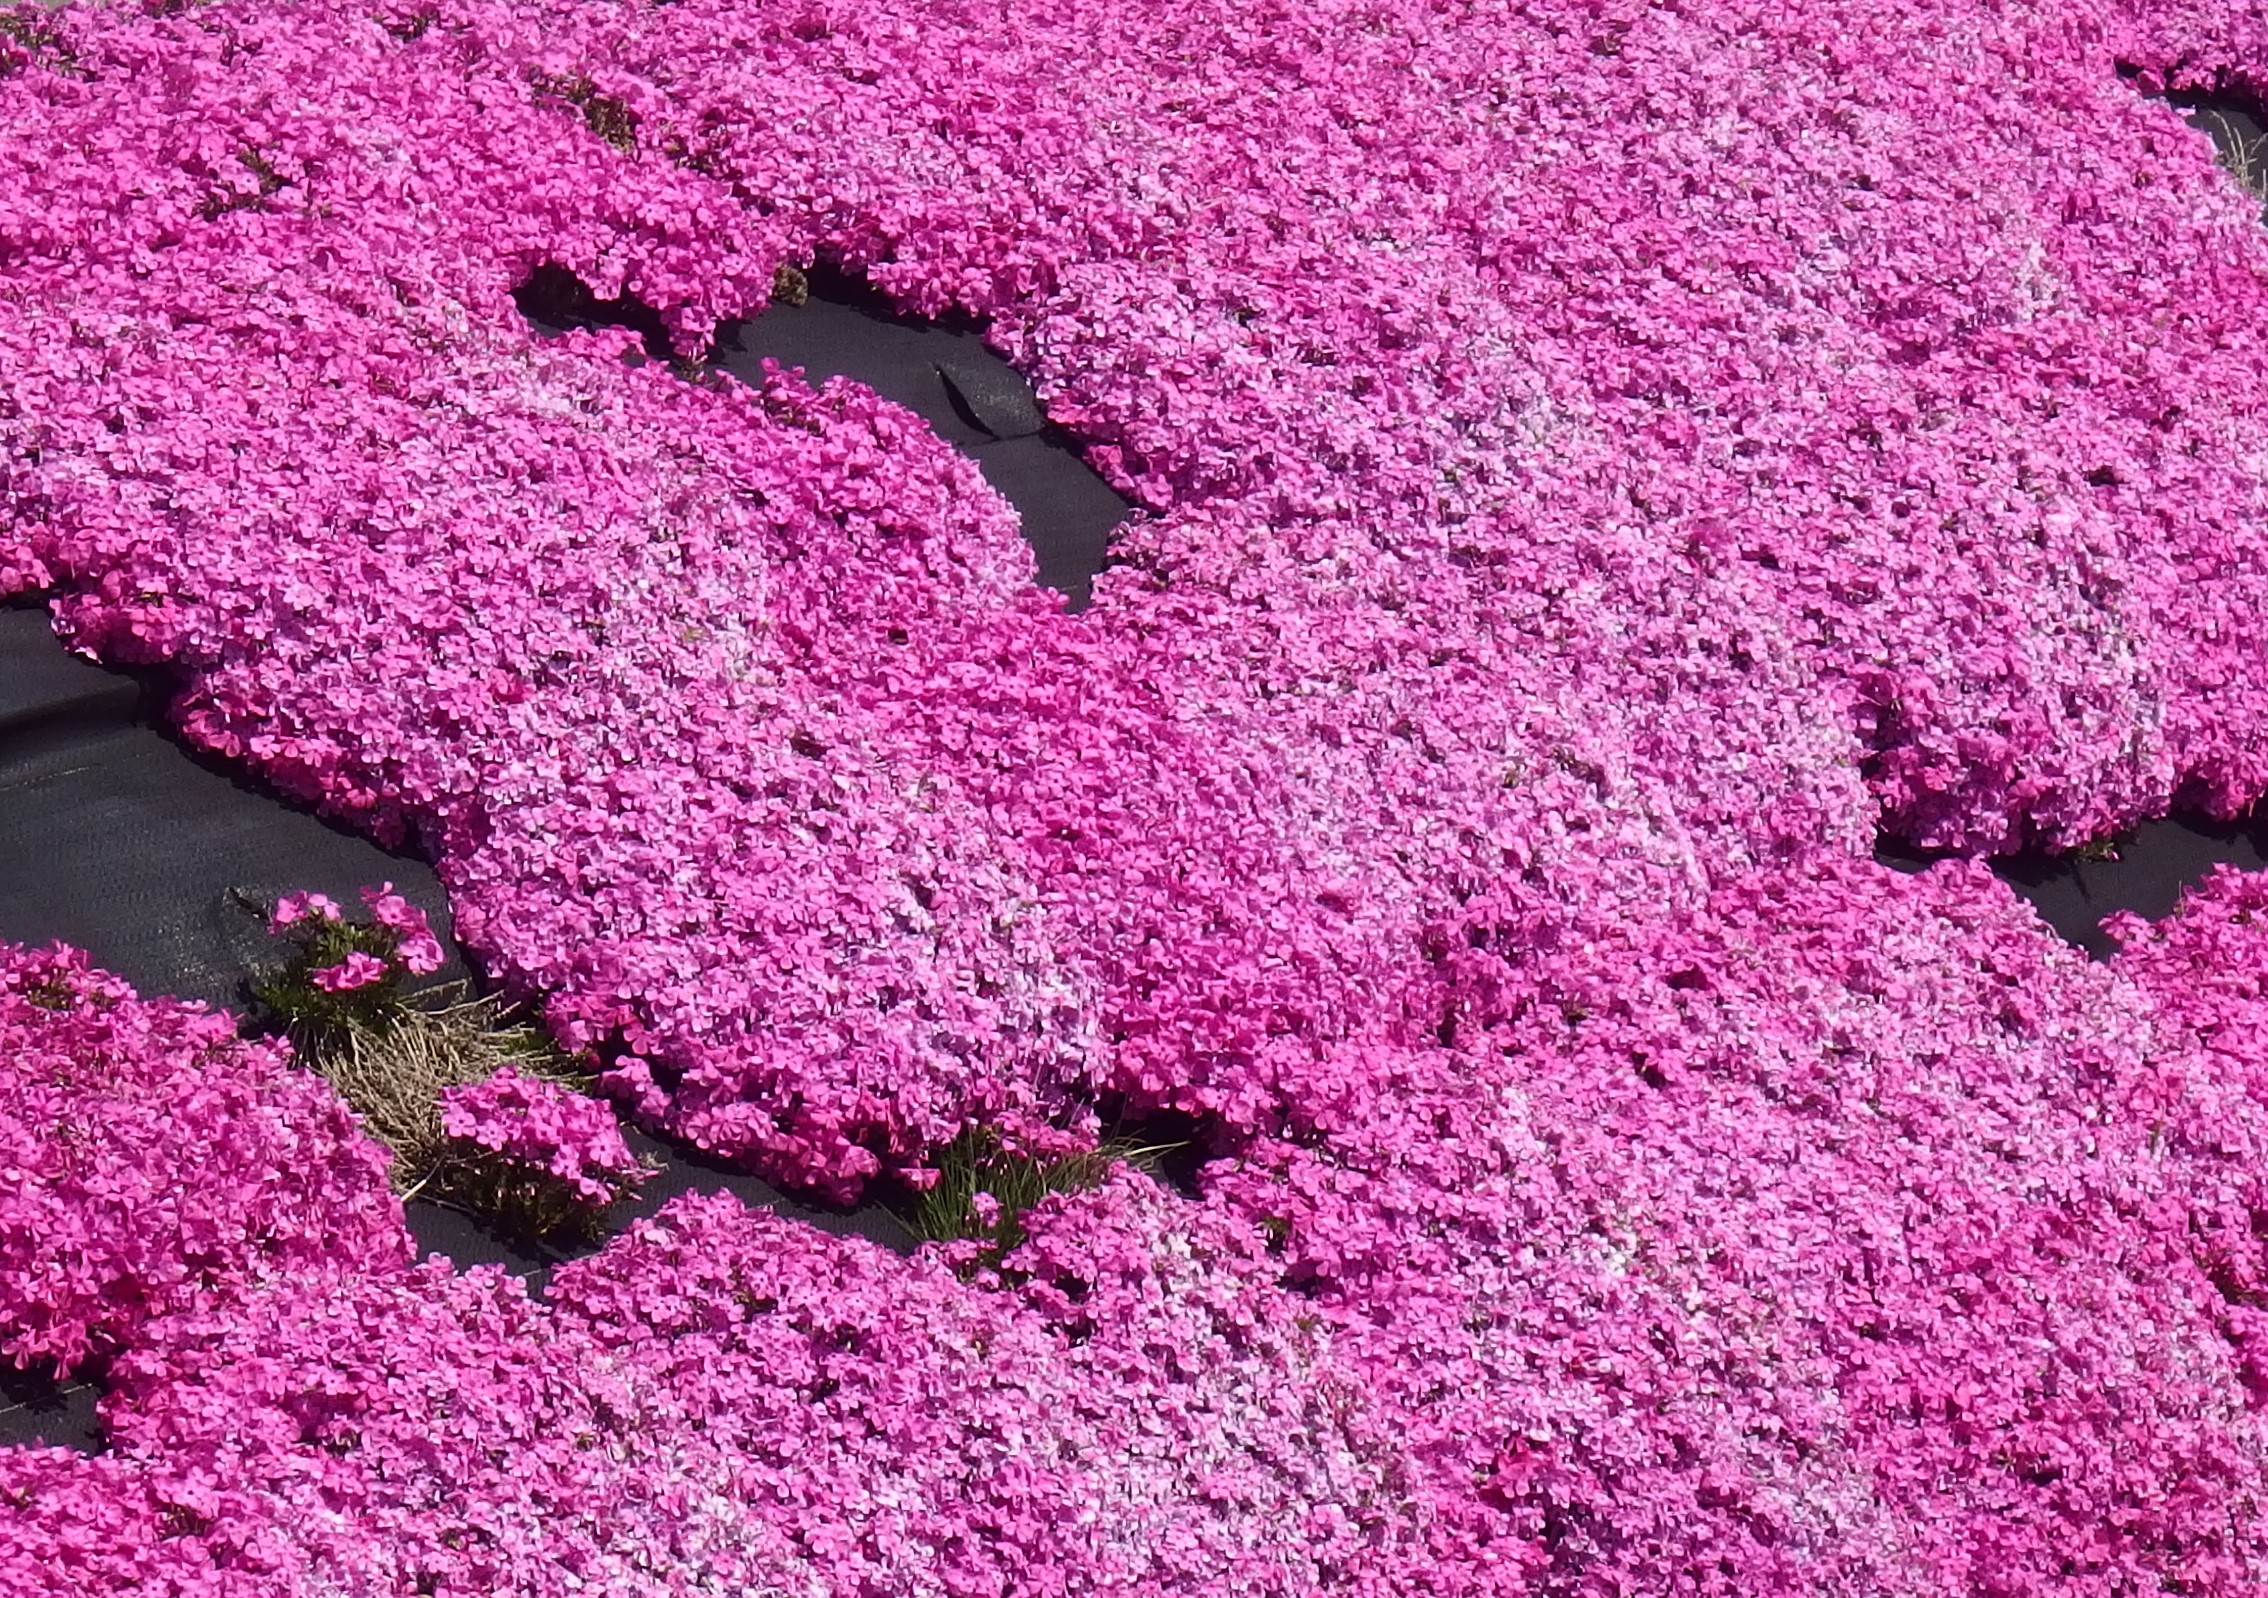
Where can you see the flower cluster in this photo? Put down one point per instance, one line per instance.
(1893, 462)
(147, 1157)
(727, 1399)
(1843, 1235)
(546, 1128)
(412, 942)
(341, 973)
(474, 1106)
(1599, 464)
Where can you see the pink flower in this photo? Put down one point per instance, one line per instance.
(546, 1127)
(357, 970)
(1587, 496)
(420, 950)
(218, 1163)
(294, 908)
(390, 909)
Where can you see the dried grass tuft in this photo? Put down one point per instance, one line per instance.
(393, 1077)
(2244, 155)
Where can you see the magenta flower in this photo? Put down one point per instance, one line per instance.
(1598, 466)
(294, 908)
(421, 952)
(218, 1162)
(357, 970)
(545, 1127)
(419, 949)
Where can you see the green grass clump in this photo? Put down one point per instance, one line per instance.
(979, 1161)
(317, 1021)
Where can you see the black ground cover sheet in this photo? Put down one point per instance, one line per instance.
(117, 839)
(941, 370)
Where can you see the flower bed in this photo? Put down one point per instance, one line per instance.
(148, 1156)
(726, 1397)
(1601, 463)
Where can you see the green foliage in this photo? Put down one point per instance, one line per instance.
(52, 994)
(315, 1020)
(409, 27)
(979, 1161)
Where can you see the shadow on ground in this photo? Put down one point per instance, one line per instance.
(36, 1409)
(2144, 871)
(942, 370)
(469, 1241)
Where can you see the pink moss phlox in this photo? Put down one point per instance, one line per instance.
(294, 908)
(726, 1399)
(546, 1127)
(1598, 464)
(1835, 1237)
(1899, 449)
(419, 950)
(148, 1156)
(357, 970)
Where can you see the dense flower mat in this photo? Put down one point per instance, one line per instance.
(1601, 461)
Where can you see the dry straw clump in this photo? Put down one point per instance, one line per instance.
(394, 1076)
(2242, 149)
